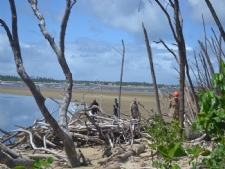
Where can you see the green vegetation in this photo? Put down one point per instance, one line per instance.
(84, 82)
(10, 78)
(163, 134)
(210, 120)
(39, 163)
(169, 153)
(195, 152)
(166, 140)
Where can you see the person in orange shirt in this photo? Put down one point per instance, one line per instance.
(174, 106)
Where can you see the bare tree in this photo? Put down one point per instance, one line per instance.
(152, 69)
(177, 32)
(121, 78)
(61, 128)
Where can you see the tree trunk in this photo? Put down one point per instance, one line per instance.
(61, 129)
(182, 56)
(152, 69)
(121, 79)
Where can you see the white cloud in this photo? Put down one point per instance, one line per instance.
(200, 7)
(88, 58)
(125, 15)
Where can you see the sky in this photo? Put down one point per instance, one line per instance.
(93, 38)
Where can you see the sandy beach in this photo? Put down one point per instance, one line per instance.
(145, 98)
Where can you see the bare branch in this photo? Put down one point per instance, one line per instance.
(204, 31)
(170, 50)
(216, 18)
(207, 57)
(139, 6)
(118, 51)
(65, 19)
(169, 20)
(44, 149)
(149, 51)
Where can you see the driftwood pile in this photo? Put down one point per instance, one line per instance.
(86, 129)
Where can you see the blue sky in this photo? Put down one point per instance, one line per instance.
(95, 28)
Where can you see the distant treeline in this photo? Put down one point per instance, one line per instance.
(84, 82)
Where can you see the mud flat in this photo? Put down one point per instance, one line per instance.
(145, 98)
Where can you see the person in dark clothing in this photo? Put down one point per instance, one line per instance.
(94, 110)
(115, 108)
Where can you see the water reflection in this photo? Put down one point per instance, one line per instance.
(21, 110)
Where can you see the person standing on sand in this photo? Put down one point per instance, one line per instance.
(115, 108)
(94, 110)
(134, 111)
(174, 106)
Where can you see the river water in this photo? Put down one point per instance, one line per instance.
(21, 110)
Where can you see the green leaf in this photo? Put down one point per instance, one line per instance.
(220, 77)
(179, 152)
(192, 158)
(173, 148)
(163, 151)
(214, 82)
(49, 160)
(194, 164)
(205, 153)
(175, 166)
(19, 167)
(155, 164)
(190, 150)
(202, 114)
(217, 119)
(38, 163)
(213, 101)
(197, 150)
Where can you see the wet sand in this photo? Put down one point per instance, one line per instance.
(145, 98)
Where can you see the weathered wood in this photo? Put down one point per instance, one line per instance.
(132, 152)
(45, 140)
(36, 148)
(89, 138)
(81, 156)
(27, 163)
(10, 137)
(35, 156)
(16, 143)
(198, 139)
(9, 151)
(149, 50)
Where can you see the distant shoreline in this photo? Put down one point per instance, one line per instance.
(53, 91)
(85, 88)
